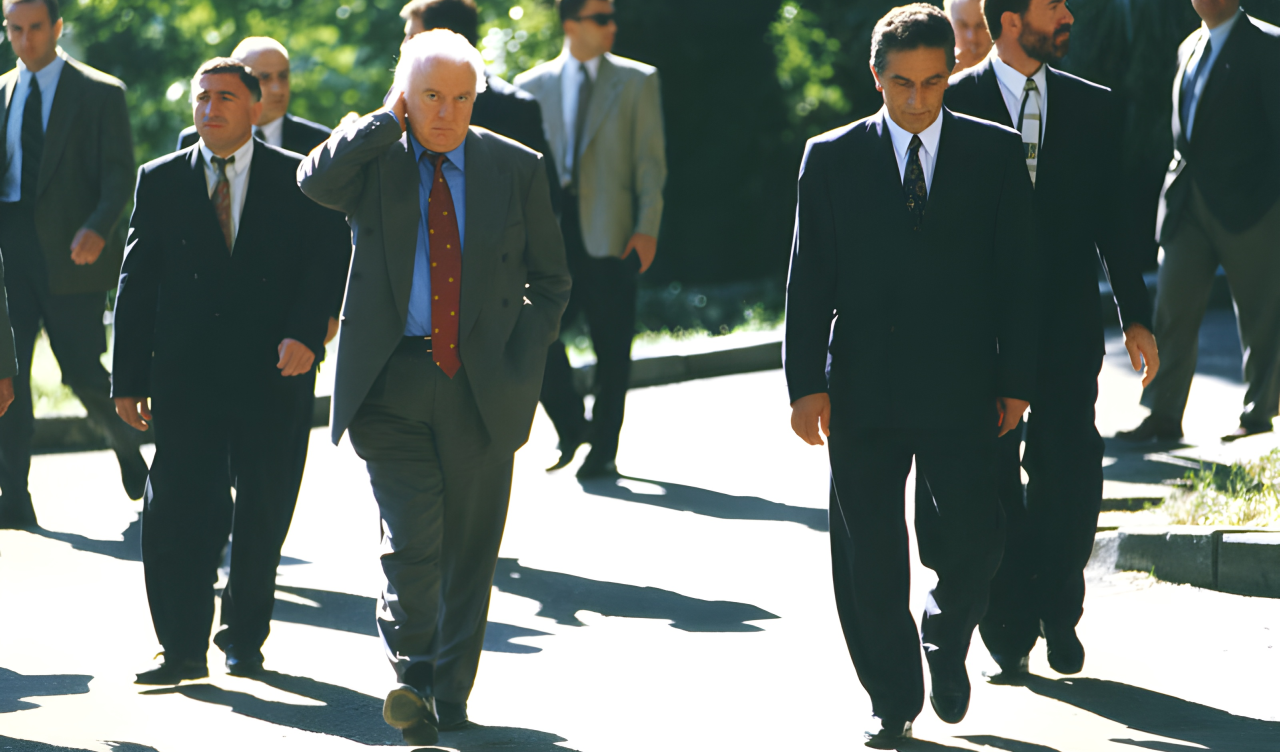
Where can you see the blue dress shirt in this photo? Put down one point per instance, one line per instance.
(1200, 76)
(455, 176)
(11, 189)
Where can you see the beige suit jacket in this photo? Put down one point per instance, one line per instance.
(623, 165)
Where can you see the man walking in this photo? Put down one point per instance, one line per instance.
(68, 175)
(1071, 133)
(906, 222)
(603, 115)
(1220, 206)
(973, 38)
(457, 286)
(220, 317)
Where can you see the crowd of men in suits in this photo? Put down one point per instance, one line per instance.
(943, 280)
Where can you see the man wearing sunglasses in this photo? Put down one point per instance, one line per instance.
(603, 116)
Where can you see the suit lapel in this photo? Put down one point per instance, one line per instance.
(887, 165)
(607, 87)
(992, 98)
(10, 83)
(552, 103)
(944, 172)
(1220, 75)
(205, 229)
(487, 197)
(253, 213)
(66, 102)
(1179, 128)
(401, 214)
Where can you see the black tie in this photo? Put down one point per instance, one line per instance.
(1189, 86)
(580, 118)
(913, 184)
(32, 140)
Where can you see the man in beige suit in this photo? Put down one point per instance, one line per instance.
(603, 116)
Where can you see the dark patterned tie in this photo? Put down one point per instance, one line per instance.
(222, 199)
(913, 184)
(445, 247)
(32, 141)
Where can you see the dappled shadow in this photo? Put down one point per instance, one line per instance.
(129, 548)
(1008, 745)
(562, 596)
(355, 613)
(706, 503)
(25, 745)
(15, 687)
(1162, 715)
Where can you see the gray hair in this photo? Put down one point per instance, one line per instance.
(437, 44)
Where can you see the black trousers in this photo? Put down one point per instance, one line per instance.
(77, 337)
(870, 552)
(604, 290)
(442, 493)
(205, 447)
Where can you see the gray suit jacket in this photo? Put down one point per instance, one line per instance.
(624, 161)
(515, 282)
(86, 175)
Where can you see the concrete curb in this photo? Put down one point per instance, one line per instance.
(1231, 560)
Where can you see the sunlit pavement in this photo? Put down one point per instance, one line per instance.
(687, 607)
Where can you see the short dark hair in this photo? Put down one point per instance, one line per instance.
(52, 5)
(992, 10)
(569, 10)
(911, 27)
(230, 65)
(458, 16)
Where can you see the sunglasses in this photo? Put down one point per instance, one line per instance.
(599, 19)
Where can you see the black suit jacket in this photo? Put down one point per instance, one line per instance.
(193, 320)
(1233, 155)
(1077, 198)
(935, 322)
(297, 135)
(511, 111)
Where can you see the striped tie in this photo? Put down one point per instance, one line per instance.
(1029, 124)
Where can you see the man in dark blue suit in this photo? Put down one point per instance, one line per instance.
(910, 335)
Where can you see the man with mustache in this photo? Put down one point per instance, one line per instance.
(1073, 156)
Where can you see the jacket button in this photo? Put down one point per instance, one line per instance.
(195, 276)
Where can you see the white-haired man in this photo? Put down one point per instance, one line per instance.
(269, 61)
(457, 285)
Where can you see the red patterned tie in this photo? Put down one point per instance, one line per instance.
(446, 271)
(222, 198)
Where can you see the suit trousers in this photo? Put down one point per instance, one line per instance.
(77, 337)
(604, 290)
(1187, 266)
(442, 493)
(870, 554)
(206, 445)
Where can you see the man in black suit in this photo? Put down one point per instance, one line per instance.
(220, 316)
(502, 107)
(68, 171)
(1077, 183)
(915, 226)
(1220, 206)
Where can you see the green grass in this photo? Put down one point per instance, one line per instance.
(1244, 495)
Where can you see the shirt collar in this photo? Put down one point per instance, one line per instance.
(1220, 33)
(274, 130)
(929, 137)
(457, 156)
(47, 75)
(242, 158)
(593, 65)
(1015, 81)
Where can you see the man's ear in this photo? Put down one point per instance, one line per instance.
(57, 29)
(1010, 21)
(875, 75)
(255, 112)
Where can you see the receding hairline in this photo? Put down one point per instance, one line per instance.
(254, 45)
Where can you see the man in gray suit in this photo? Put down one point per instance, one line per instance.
(1220, 206)
(68, 175)
(603, 116)
(457, 285)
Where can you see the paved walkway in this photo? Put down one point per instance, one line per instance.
(685, 608)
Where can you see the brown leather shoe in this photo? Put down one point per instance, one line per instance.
(1153, 429)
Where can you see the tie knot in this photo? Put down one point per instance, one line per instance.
(35, 83)
(220, 164)
(915, 144)
(436, 159)
(1030, 85)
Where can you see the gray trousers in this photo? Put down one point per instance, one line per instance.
(1251, 260)
(442, 494)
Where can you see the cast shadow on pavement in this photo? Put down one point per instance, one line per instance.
(355, 613)
(707, 503)
(562, 596)
(129, 548)
(24, 745)
(1162, 715)
(15, 687)
(1008, 745)
(351, 715)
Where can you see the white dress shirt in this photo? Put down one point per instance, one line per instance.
(272, 133)
(570, 81)
(11, 189)
(1218, 35)
(237, 175)
(929, 138)
(1012, 87)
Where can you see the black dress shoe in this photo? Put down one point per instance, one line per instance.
(171, 672)
(1066, 654)
(1013, 669)
(413, 713)
(597, 467)
(246, 666)
(452, 715)
(567, 451)
(949, 693)
(1153, 429)
(1244, 431)
(887, 734)
(133, 473)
